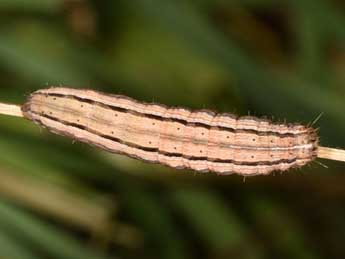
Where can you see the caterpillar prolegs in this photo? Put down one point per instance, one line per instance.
(200, 140)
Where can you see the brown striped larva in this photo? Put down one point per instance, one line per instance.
(177, 137)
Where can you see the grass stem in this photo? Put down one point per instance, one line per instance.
(331, 153)
(323, 152)
(11, 109)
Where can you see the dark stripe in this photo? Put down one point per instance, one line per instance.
(181, 121)
(148, 149)
(196, 140)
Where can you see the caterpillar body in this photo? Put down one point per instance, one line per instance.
(200, 140)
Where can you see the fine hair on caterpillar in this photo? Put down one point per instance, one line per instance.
(200, 140)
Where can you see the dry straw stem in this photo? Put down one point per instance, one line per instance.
(323, 152)
(331, 153)
(11, 109)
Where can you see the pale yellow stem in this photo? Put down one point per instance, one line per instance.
(331, 153)
(11, 109)
(323, 152)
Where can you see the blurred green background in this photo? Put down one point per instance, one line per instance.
(60, 199)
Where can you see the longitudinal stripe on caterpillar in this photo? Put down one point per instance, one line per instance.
(107, 136)
(195, 140)
(177, 137)
(184, 121)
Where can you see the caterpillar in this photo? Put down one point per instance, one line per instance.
(201, 140)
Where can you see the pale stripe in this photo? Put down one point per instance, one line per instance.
(221, 120)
